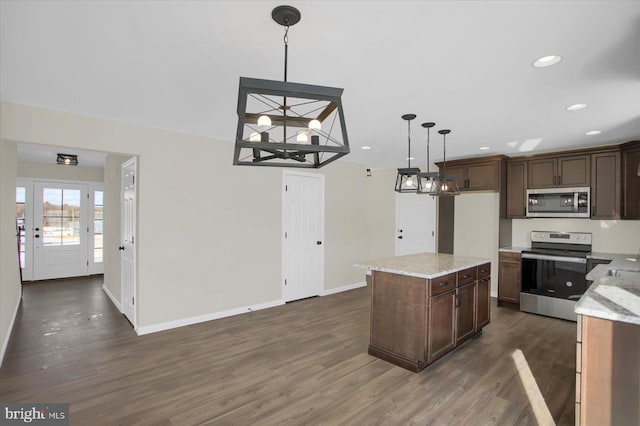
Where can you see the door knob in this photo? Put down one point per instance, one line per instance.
(37, 229)
(121, 248)
(399, 237)
(36, 236)
(319, 242)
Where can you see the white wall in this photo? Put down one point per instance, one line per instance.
(476, 226)
(10, 286)
(609, 236)
(59, 172)
(209, 236)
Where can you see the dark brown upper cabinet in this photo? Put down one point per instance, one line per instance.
(555, 172)
(516, 189)
(606, 199)
(478, 174)
(631, 180)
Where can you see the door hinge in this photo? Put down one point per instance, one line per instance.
(133, 178)
(286, 188)
(87, 195)
(285, 281)
(87, 263)
(285, 235)
(133, 300)
(133, 239)
(87, 229)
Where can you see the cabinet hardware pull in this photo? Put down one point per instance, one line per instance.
(466, 276)
(484, 280)
(444, 283)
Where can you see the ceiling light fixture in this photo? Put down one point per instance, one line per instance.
(67, 159)
(287, 124)
(446, 185)
(576, 107)
(428, 179)
(407, 179)
(593, 132)
(546, 61)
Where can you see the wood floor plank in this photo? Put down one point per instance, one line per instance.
(304, 363)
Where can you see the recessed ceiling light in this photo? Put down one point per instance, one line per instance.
(576, 107)
(546, 61)
(593, 132)
(365, 147)
(484, 148)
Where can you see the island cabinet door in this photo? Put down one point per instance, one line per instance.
(441, 333)
(483, 300)
(465, 312)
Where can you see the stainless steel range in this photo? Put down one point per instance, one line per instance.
(553, 273)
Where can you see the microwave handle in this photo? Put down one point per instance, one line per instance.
(556, 258)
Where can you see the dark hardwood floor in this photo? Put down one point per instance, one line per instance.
(303, 363)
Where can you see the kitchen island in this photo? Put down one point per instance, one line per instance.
(608, 348)
(425, 305)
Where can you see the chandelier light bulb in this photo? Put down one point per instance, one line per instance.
(315, 125)
(302, 137)
(255, 137)
(264, 121)
(409, 182)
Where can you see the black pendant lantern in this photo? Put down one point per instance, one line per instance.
(445, 185)
(288, 124)
(407, 179)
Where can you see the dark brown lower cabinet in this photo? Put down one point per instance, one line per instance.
(441, 332)
(415, 321)
(509, 270)
(482, 307)
(465, 312)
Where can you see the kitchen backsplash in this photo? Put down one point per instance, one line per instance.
(609, 236)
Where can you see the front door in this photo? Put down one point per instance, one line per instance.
(303, 244)
(60, 230)
(128, 238)
(415, 224)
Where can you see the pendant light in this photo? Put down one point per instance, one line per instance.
(288, 124)
(445, 185)
(408, 178)
(428, 179)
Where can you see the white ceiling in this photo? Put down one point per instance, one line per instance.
(464, 64)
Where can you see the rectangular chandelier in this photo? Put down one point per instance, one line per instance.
(287, 124)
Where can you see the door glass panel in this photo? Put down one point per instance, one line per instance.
(98, 222)
(61, 216)
(21, 196)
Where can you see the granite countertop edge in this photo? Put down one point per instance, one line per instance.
(615, 298)
(464, 262)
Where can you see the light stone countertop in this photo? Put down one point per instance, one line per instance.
(513, 249)
(423, 265)
(613, 297)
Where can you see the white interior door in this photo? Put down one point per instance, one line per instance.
(415, 224)
(128, 239)
(60, 233)
(303, 244)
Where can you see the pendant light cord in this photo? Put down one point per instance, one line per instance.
(428, 170)
(444, 155)
(409, 142)
(286, 56)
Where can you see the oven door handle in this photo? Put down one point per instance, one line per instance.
(556, 258)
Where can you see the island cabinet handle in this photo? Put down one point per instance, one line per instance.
(484, 280)
(466, 276)
(442, 284)
(484, 270)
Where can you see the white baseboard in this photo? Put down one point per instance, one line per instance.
(147, 329)
(5, 344)
(343, 288)
(112, 297)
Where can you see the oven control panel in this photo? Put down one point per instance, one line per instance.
(561, 237)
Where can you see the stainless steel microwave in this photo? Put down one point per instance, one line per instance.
(559, 202)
